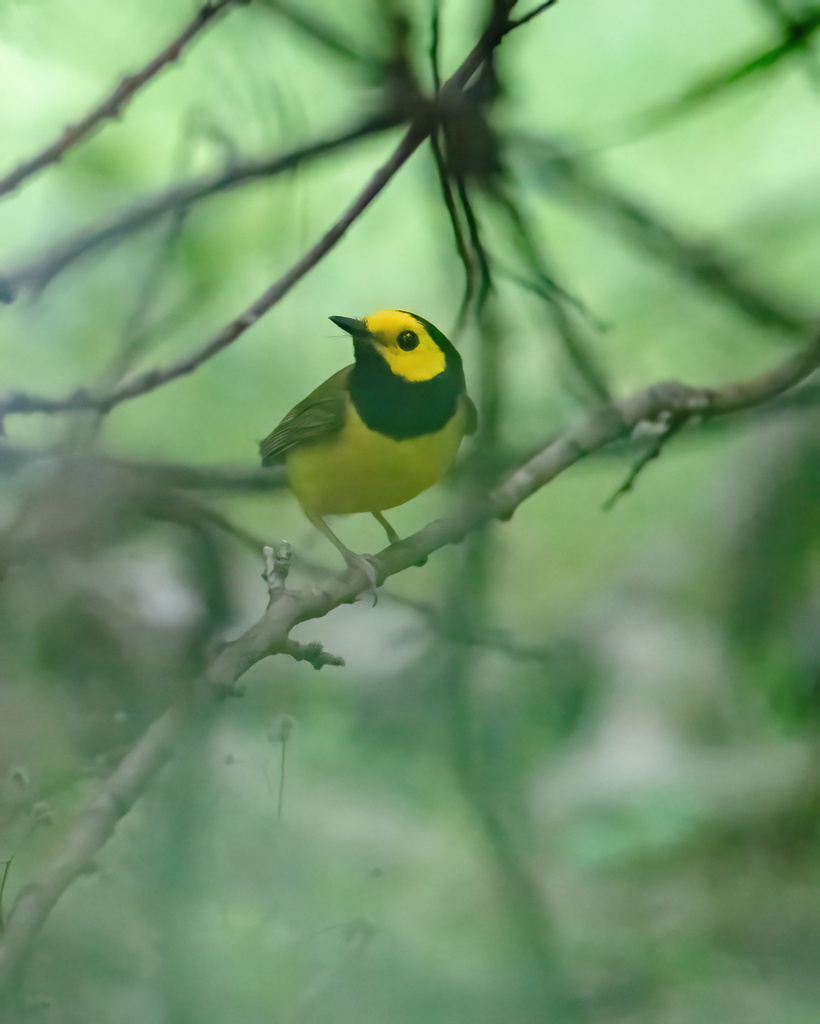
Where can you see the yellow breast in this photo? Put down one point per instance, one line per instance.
(359, 470)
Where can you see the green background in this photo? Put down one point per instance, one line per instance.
(644, 706)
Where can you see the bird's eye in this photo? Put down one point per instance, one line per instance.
(408, 340)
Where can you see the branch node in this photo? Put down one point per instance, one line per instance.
(313, 653)
(277, 567)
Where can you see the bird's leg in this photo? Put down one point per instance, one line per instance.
(392, 536)
(363, 563)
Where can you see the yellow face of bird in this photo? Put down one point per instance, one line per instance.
(405, 345)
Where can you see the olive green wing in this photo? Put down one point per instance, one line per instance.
(319, 416)
(472, 415)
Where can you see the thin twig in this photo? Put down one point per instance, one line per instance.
(113, 105)
(332, 38)
(89, 833)
(455, 223)
(796, 35)
(704, 266)
(577, 351)
(524, 899)
(19, 402)
(651, 452)
(518, 22)
(35, 274)
(485, 274)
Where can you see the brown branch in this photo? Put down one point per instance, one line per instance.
(89, 833)
(286, 608)
(518, 22)
(112, 106)
(36, 273)
(796, 37)
(550, 163)
(332, 38)
(19, 402)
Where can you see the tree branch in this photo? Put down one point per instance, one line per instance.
(286, 608)
(141, 384)
(89, 833)
(37, 273)
(705, 267)
(112, 106)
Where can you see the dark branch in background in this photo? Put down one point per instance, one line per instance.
(550, 165)
(518, 22)
(18, 402)
(444, 175)
(330, 37)
(578, 352)
(38, 272)
(485, 277)
(85, 838)
(524, 901)
(271, 634)
(241, 479)
(796, 37)
(112, 106)
(455, 223)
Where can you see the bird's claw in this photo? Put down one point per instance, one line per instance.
(365, 564)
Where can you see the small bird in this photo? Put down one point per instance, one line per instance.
(378, 432)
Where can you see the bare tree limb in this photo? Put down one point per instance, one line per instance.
(796, 35)
(518, 22)
(112, 106)
(286, 608)
(36, 273)
(551, 163)
(141, 384)
(89, 833)
(332, 38)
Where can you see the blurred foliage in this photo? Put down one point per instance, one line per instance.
(590, 793)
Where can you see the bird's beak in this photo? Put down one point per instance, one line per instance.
(356, 328)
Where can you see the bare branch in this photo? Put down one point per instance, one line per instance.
(578, 352)
(518, 22)
(652, 451)
(159, 474)
(271, 634)
(37, 273)
(18, 402)
(452, 213)
(112, 106)
(705, 267)
(141, 384)
(320, 31)
(796, 37)
(89, 833)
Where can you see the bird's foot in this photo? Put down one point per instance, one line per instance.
(365, 564)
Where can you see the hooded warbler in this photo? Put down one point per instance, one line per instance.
(378, 432)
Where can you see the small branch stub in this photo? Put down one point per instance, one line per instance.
(277, 567)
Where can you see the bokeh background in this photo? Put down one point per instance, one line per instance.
(570, 770)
